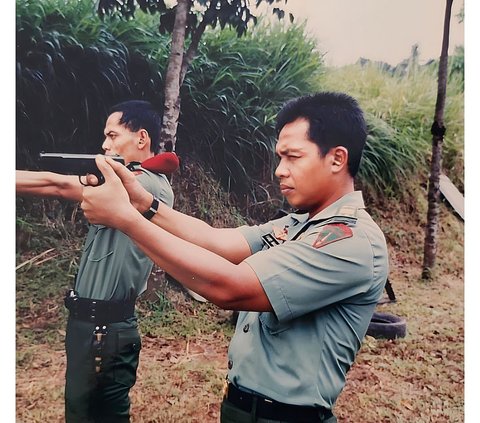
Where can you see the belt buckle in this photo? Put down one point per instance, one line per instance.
(93, 313)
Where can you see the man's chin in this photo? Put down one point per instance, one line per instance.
(298, 207)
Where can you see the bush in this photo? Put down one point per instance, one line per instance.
(400, 112)
(235, 88)
(71, 67)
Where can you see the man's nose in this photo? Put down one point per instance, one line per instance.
(281, 171)
(106, 144)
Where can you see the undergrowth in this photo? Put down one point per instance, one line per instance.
(183, 361)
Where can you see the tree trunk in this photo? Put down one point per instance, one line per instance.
(171, 110)
(438, 131)
(208, 17)
(193, 48)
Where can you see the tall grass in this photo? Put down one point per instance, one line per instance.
(235, 89)
(405, 106)
(71, 67)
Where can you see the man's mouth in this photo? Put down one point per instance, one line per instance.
(285, 189)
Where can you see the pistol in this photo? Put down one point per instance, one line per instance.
(73, 164)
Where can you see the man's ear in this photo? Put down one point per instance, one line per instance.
(144, 139)
(339, 158)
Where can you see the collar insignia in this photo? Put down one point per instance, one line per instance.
(280, 234)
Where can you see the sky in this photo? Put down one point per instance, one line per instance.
(383, 30)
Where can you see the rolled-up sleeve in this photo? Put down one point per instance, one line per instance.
(253, 235)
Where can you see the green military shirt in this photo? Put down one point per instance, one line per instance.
(112, 267)
(323, 277)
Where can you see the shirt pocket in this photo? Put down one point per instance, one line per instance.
(272, 325)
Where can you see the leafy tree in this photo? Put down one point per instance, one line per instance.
(185, 20)
(71, 67)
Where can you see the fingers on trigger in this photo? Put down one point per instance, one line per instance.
(92, 179)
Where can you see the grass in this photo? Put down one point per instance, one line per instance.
(420, 377)
(184, 343)
(405, 105)
(230, 96)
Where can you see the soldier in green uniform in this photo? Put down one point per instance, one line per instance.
(306, 284)
(102, 338)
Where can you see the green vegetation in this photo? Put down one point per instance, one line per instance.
(71, 67)
(237, 86)
(229, 99)
(401, 109)
(230, 96)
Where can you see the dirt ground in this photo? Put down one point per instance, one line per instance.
(418, 378)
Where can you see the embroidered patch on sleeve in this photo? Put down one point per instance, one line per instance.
(331, 233)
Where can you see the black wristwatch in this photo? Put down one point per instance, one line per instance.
(153, 209)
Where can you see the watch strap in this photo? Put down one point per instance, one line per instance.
(153, 208)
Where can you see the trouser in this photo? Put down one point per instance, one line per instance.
(100, 394)
(229, 413)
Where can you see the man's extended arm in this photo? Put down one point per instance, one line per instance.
(48, 184)
(226, 242)
(202, 258)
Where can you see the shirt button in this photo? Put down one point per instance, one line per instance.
(246, 328)
(230, 364)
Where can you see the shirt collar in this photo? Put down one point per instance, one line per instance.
(344, 206)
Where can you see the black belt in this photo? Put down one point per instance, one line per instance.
(274, 410)
(98, 311)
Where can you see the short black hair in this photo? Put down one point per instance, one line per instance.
(140, 114)
(335, 119)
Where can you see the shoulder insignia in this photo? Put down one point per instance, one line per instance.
(331, 233)
(348, 211)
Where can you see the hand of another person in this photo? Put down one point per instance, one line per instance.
(109, 203)
(139, 196)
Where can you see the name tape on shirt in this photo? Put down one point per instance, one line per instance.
(277, 237)
(332, 233)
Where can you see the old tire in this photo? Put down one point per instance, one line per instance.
(387, 326)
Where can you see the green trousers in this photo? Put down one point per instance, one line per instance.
(232, 414)
(100, 397)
